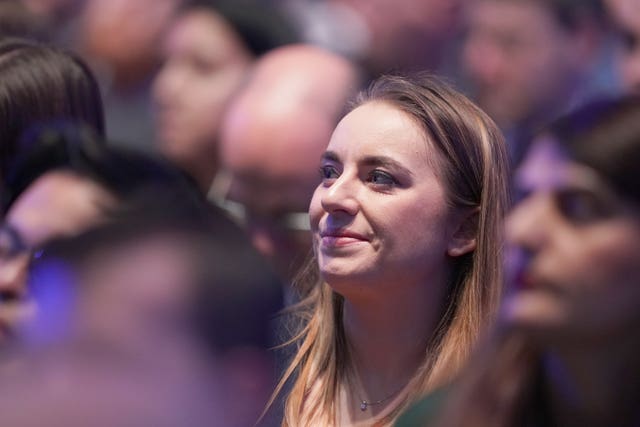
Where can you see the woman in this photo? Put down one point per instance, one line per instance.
(567, 347)
(40, 84)
(208, 51)
(406, 235)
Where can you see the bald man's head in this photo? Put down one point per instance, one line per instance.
(288, 108)
(273, 136)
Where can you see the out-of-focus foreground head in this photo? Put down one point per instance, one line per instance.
(169, 293)
(527, 58)
(577, 230)
(271, 141)
(66, 183)
(626, 16)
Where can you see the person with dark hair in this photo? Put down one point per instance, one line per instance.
(528, 61)
(39, 83)
(208, 50)
(567, 343)
(406, 226)
(67, 182)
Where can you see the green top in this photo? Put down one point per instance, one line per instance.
(425, 411)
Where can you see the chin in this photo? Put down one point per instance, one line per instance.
(540, 316)
(349, 284)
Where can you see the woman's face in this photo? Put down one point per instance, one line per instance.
(576, 250)
(204, 64)
(380, 215)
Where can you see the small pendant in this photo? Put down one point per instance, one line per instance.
(363, 406)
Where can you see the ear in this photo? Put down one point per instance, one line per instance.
(463, 238)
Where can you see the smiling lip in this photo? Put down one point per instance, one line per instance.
(338, 238)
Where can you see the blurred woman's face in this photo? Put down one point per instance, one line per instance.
(204, 63)
(57, 204)
(575, 262)
(380, 217)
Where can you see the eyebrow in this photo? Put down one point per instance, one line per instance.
(384, 161)
(330, 156)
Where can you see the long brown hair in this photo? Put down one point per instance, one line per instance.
(474, 173)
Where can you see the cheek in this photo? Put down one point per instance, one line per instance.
(598, 290)
(590, 281)
(598, 259)
(210, 94)
(418, 228)
(206, 100)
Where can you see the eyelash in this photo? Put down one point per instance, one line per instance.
(391, 180)
(326, 172)
(329, 172)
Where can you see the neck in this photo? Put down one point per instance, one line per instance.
(388, 337)
(596, 384)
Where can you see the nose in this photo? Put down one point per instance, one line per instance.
(167, 85)
(341, 196)
(527, 226)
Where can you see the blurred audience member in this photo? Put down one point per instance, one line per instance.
(125, 35)
(384, 35)
(55, 11)
(626, 16)
(68, 182)
(566, 351)
(529, 61)
(121, 40)
(168, 309)
(17, 20)
(207, 52)
(40, 84)
(271, 141)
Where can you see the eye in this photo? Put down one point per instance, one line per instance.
(328, 172)
(201, 66)
(581, 207)
(379, 177)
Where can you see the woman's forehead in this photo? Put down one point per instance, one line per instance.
(378, 128)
